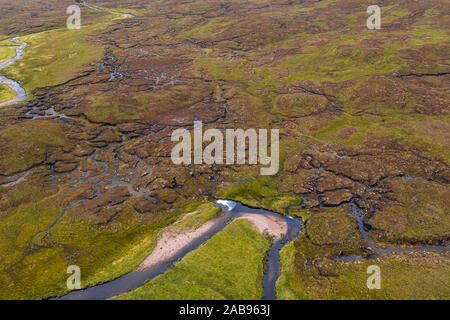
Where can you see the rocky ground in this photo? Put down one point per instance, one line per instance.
(85, 170)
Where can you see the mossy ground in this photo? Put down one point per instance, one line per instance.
(42, 65)
(421, 214)
(6, 93)
(55, 56)
(259, 195)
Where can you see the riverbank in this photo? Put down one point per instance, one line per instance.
(20, 93)
(228, 266)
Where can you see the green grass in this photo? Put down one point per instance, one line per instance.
(207, 29)
(324, 57)
(229, 266)
(7, 53)
(25, 145)
(58, 55)
(104, 251)
(226, 71)
(411, 130)
(104, 248)
(7, 42)
(26, 210)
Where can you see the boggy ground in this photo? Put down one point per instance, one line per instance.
(85, 161)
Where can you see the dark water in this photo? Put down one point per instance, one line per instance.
(232, 210)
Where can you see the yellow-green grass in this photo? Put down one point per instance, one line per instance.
(52, 58)
(7, 42)
(5, 39)
(334, 57)
(106, 248)
(27, 209)
(406, 131)
(105, 251)
(118, 10)
(220, 70)
(403, 276)
(229, 266)
(6, 93)
(206, 30)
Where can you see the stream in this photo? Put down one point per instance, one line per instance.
(14, 85)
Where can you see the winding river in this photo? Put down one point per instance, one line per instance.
(232, 211)
(14, 85)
